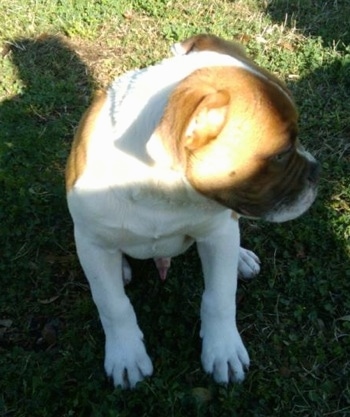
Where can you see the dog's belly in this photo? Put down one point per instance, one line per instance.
(166, 246)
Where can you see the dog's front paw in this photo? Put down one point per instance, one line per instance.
(248, 264)
(224, 355)
(126, 361)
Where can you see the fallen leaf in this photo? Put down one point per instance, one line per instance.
(287, 45)
(244, 38)
(202, 395)
(49, 300)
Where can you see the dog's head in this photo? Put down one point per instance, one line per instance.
(234, 134)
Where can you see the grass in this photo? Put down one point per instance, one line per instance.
(294, 318)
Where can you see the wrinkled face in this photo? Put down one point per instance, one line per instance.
(254, 163)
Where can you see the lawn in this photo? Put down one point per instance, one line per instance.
(294, 318)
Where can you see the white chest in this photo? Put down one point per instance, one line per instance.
(141, 224)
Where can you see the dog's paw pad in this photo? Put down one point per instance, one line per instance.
(248, 264)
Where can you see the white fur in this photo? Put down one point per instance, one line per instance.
(292, 211)
(178, 49)
(223, 352)
(129, 201)
(248, 264)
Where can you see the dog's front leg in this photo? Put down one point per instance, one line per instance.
(126, 360)
(223, 353)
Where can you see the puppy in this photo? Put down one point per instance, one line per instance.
(171, 155)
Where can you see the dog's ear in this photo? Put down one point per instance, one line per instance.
(206, 42)
(207, 120)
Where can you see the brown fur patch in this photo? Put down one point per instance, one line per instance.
(77, 158)
(205, 42)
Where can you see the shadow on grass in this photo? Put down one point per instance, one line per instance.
(37, 128)
(36, 232)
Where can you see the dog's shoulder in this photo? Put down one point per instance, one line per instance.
(77, 158)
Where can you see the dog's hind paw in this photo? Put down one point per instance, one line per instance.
(248, 264)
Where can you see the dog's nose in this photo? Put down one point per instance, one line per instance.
(314, 172)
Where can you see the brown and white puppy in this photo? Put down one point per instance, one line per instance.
(171, 155)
